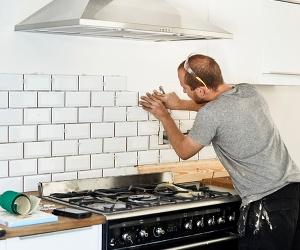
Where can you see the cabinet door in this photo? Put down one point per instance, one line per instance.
(88, 238)
(281, 43)
(2, 244)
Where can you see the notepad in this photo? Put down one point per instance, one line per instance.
(37, 217)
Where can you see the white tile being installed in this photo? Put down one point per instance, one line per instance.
(11, 117)
(64, 82)
(148, 128)
(51, 165)
(115, 144)
(62, 148)
(77, 99)
(37, 116)
(137, 143)
(76, 163)
(103, 99)
(90, 82)
(37, 149)
(22, 133)
(115, 83)
(23, 167)
(64, 115)
(51, 132)
(99, 161)
(114, 114)
(125, 129)
(11, 82)
(3, 134)
(90, 146)
(148, 157)
(100, 130)
(51, 99)
(136, 114)
(23, 99)
(37, 82)
(96, 173)
(90, 114)
(31, 182)
(168, 155)
(3, 99)
(126, 98)
(154, 143)
(125, 159)
(77, 131)
(64, 176)
(11, 151)
(3, 169)
(120, 171)
(14, 183)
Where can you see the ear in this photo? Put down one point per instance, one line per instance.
(201, 91)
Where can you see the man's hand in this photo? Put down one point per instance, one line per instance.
(170, 100)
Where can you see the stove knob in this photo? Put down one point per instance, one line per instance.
(158, 232)
(200, 223)
(211, 221)
(188, 225)
(231, 217)
(112, 242)
(221, 220)
(127, 238)
(143, 234)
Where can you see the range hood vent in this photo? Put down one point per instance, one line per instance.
(154, 20)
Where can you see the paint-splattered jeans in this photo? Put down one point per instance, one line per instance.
(273, 223)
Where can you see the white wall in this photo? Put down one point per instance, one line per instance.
(146, 64)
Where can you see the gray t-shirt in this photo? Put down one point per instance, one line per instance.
(239, 126)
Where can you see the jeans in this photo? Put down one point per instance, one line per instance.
(273, 223)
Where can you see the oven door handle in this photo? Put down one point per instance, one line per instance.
(204, 243)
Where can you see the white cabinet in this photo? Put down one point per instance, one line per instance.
(2, 244)
(88, 238)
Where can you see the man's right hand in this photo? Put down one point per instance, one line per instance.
(170, 100)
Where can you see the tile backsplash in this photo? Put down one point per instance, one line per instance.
(57, 127)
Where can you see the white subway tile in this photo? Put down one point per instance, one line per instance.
(23, 167)
(64, 176)
(11, 82)
(77, 99)
(114, 114)
(193, 115)
(51, 99)
(180, 114)
(37, 149)
(22, 99)
(120, 171)
(51, 132)
(64, 115)
(61, 148)
(37, 82)
(136, 114)
(31, 182)
(115, 83)
(168, 155)
(11, 151)
(154, 140)
(15, 184)
(3, 134)
(64, 82)
(99, 161)
(102, 130)
(90, 114)
(90, 174)
(126, 98)
(11, 116)
(125, 159)
(207, 152)
(148, 157)
(51, 165)
(77, 131)
(90, 83)
(22, 133)
(103, 99)
(90, 146)
(137, 143)
(148, 128)
(37, 116)
(152, 117)
(125, 128)
(115, 144)
(3, 99)
(76, 163)
(3, 169)
(185, 125)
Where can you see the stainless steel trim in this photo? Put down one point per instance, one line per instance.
(204, 243)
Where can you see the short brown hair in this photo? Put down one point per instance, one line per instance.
(206, 68)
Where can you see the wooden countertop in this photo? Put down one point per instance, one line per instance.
(63, 223)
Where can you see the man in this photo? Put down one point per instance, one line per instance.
(236, 120)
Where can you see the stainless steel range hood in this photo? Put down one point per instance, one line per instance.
(155, 20)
